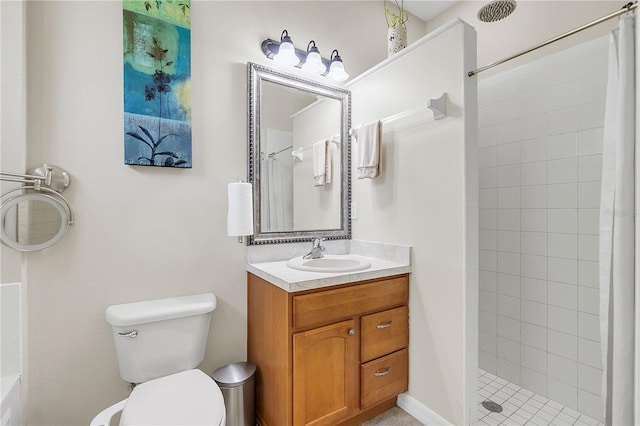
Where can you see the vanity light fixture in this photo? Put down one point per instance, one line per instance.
(285, 53)
(314, 63)
(336, 69)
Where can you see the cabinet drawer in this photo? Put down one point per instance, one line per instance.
(383, 378)
(384, 332)
(328, 305)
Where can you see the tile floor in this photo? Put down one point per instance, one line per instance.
(523, 407)
(519, 407)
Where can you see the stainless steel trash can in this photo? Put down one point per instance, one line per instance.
(238, 385)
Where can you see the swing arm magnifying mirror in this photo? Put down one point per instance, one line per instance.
(35, 216)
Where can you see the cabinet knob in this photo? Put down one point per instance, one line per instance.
(385, 325)
(382, 372)
(352, 332)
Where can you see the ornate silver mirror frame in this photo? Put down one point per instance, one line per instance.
(257, 75)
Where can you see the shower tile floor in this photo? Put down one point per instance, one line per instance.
(523, 407)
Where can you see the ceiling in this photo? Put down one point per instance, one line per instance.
(427, 9)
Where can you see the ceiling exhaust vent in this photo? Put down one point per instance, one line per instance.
(496, 10)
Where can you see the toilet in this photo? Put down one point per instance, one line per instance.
(159, 344)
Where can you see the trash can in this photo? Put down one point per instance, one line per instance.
(238, 385)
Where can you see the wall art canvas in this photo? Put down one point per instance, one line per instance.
(157, 82)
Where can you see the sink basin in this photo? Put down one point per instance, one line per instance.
(331, 263)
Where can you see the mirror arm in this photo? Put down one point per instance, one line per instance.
(36, 181)
(46, 175)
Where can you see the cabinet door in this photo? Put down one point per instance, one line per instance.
(324, 374)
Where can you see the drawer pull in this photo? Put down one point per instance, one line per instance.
(352, 332)
(382, 372)
(385, 325)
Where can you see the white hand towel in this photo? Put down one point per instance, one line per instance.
(368, 150)
(329, 161)
(320, 161)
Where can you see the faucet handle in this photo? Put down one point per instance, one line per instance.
(320, 246)
(316, 249)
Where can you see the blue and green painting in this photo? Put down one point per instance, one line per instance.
(157, 83)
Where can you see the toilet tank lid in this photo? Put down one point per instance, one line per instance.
(128, 314)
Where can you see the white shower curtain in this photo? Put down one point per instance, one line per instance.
(619, 235)
(279, 174)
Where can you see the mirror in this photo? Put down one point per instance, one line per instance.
(33, 221)
(298, 153)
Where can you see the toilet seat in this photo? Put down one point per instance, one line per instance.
(186, 398)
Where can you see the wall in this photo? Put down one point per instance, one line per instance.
(532, 22)
(317, 207)
(13, 151)
(143, 233)
(425, 198)
(540, 141)
(10, 327)
(12, 114)
(10, 354)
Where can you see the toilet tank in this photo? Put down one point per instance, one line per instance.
(156, 338)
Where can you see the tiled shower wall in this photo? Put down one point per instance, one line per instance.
(540, 139)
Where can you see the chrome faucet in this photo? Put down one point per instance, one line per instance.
(316, 249)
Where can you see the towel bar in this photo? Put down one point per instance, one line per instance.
(437, 105)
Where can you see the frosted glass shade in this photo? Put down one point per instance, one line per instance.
(337, 72)
(286, 55)
(314, 64)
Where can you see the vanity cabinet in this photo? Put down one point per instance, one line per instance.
(334, 355)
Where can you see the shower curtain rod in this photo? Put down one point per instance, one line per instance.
(625, 9)
(273, 154)
(306, 148)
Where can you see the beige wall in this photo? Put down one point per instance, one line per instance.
(12, 114)
(12, 146)
(426, 184)
(143, 233)
(533, 22)
(317, 207)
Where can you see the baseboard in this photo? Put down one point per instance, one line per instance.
(420, 411)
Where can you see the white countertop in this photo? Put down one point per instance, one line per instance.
(293, 280)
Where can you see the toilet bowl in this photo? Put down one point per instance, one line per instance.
(159, 343)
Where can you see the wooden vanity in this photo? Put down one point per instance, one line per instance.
(328, 356)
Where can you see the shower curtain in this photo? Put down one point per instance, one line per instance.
(619, 235)
(277, 180)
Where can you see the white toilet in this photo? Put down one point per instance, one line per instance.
(159, 343)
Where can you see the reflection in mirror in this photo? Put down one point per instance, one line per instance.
(33, 221)
(298, 163)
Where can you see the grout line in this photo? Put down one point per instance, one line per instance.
(534, 413)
